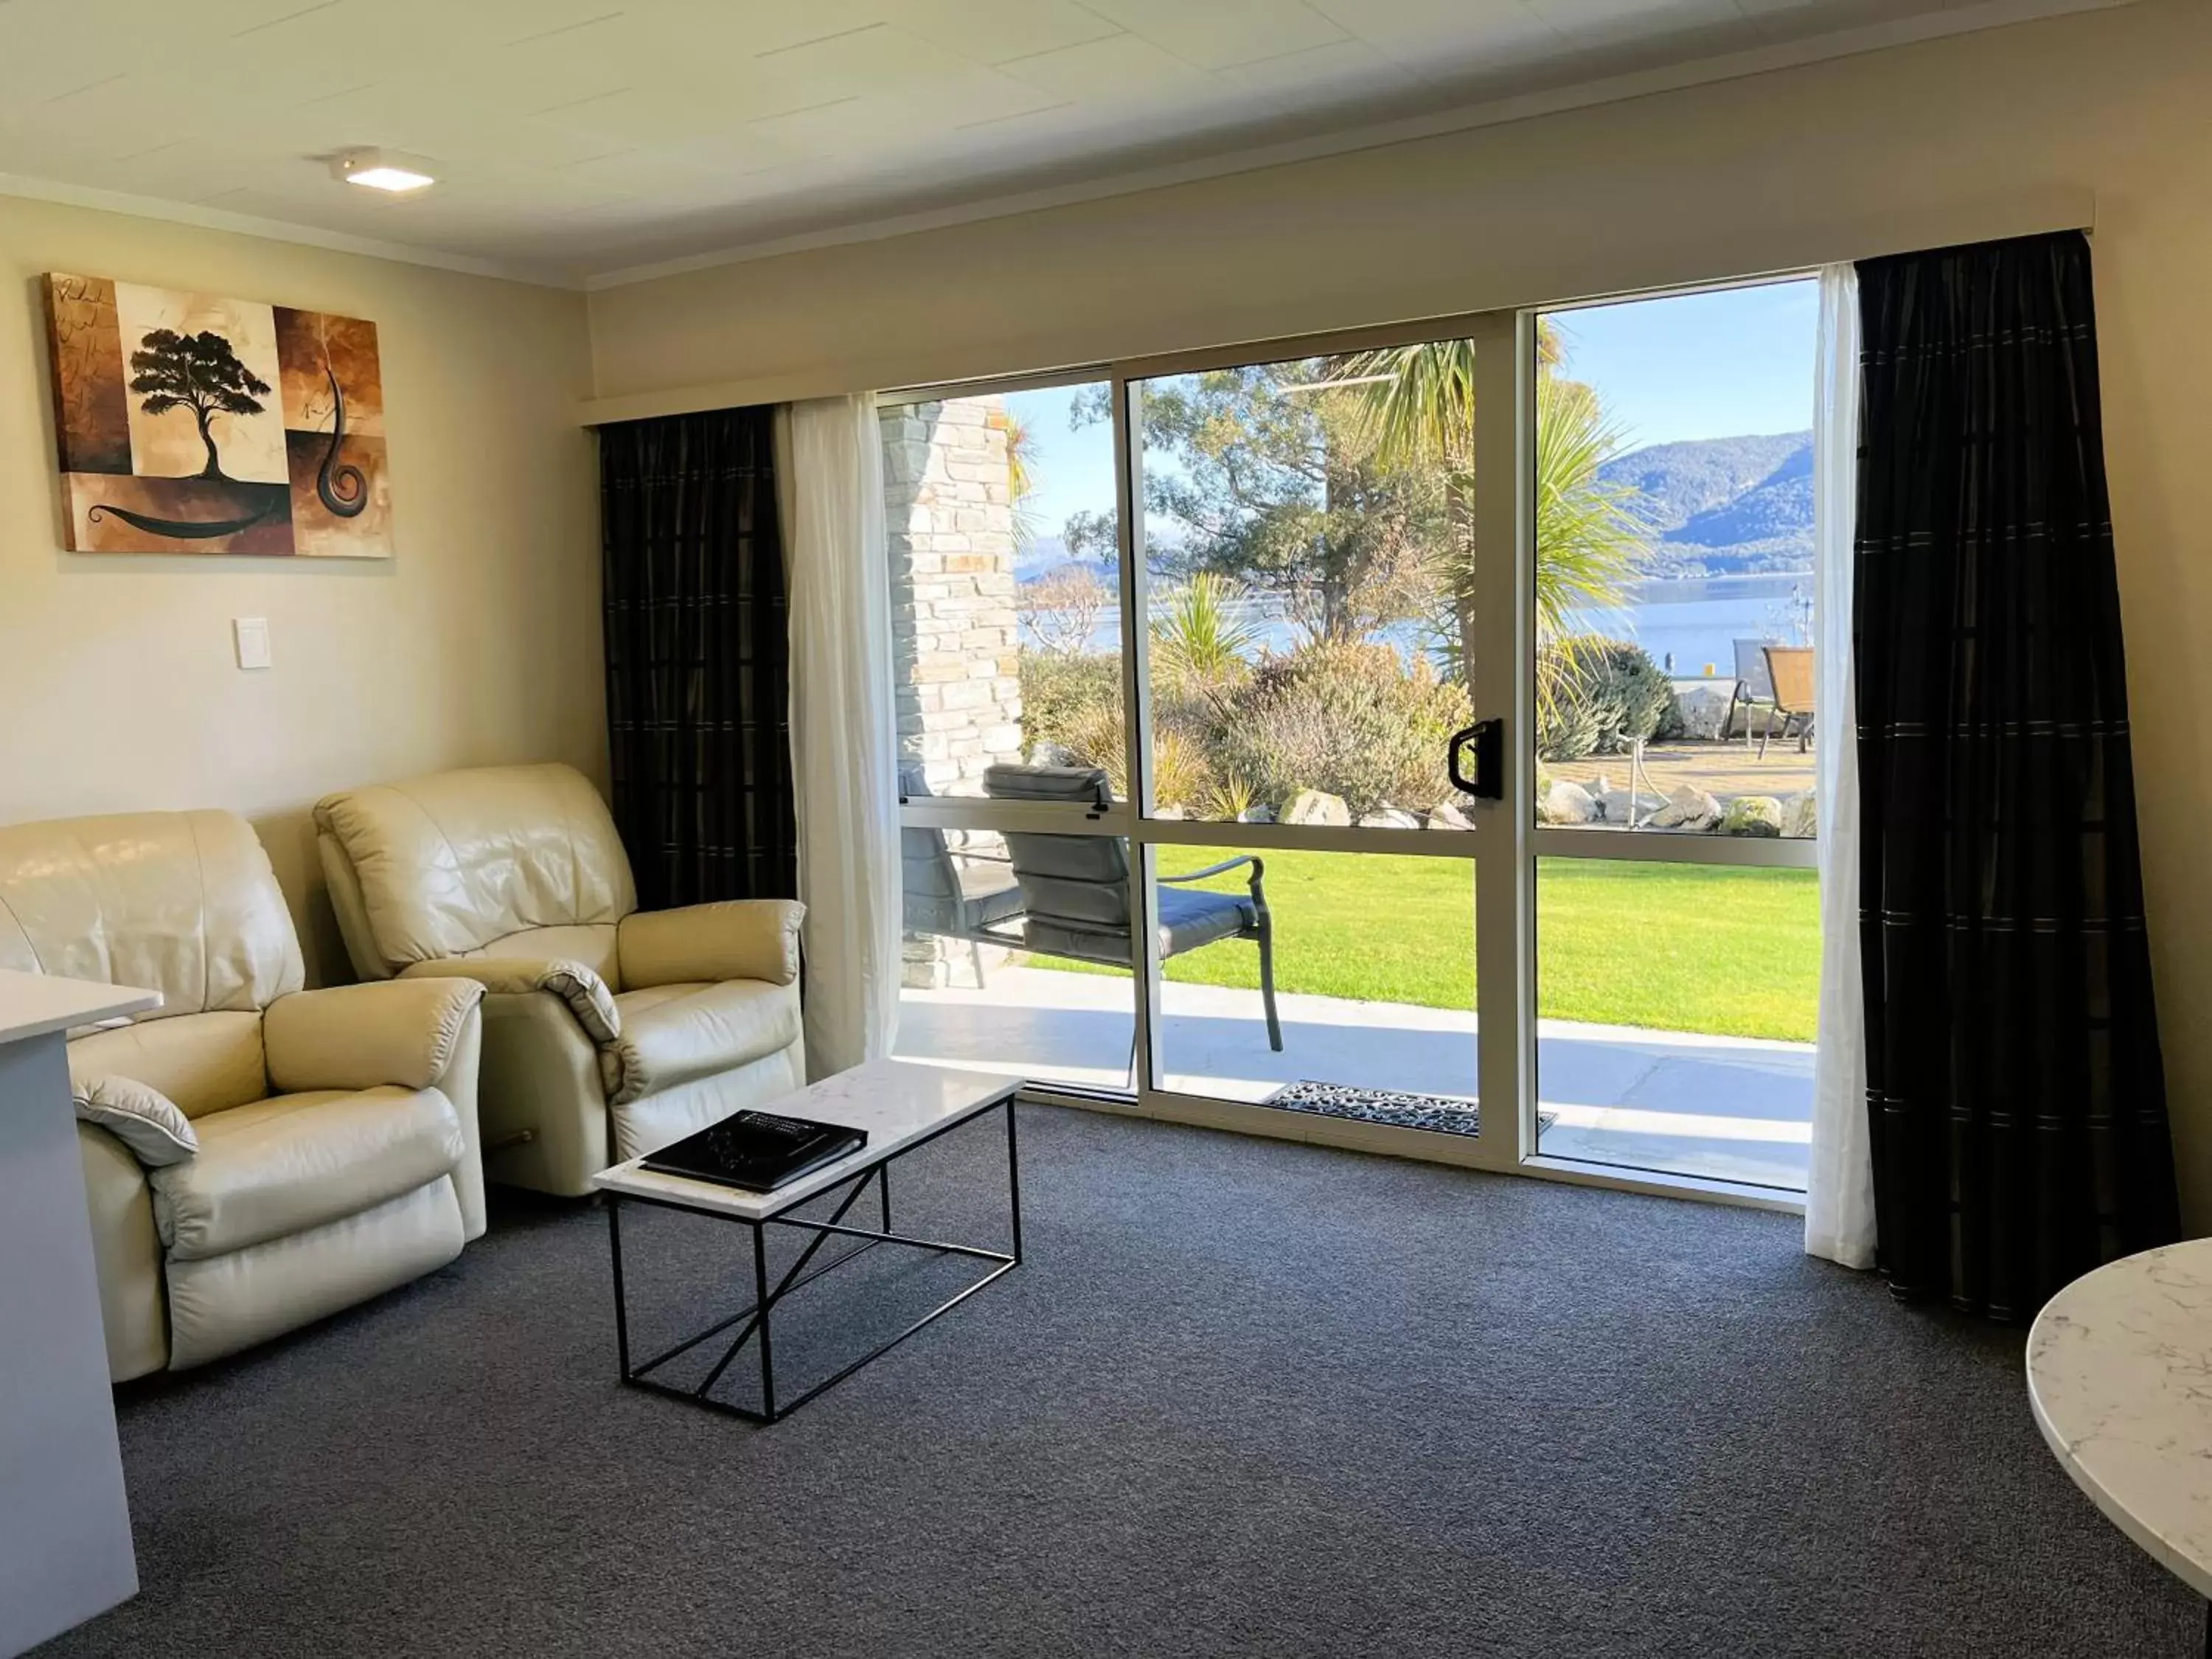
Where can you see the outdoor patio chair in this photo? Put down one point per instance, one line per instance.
(955, 895)
(1076, 896)
(1754, 686)
(1789, 671)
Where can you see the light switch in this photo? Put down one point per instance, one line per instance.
(252, 635)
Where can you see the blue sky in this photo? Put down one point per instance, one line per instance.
(1074, 470)
(1718, 364)
(1727, 364)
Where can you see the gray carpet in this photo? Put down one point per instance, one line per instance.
(1245, 1397)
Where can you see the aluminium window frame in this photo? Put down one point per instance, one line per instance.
(1504, 848)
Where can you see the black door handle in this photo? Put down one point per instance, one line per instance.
(1488, 737)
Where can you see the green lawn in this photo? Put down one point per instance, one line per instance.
(1675, 946)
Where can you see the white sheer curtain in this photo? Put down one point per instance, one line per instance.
(830, 487)
(1839, 1195)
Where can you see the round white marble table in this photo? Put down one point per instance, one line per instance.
(2120, 1374)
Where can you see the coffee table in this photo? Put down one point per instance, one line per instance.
(902, 1106)
(2119, 1377)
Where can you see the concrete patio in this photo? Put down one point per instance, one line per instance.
(1721, 769)
(1733, 1108)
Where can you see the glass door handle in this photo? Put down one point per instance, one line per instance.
(1487, 781)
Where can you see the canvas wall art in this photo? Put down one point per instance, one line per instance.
(191, 423)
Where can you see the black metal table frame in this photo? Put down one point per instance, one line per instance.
(754, 1319)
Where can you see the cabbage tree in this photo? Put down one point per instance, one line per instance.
(1418, 403)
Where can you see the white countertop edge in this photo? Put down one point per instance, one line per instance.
(33, 1004)
(2194, 1573)
(629, 1181)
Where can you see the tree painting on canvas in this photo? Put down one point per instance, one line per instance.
(191, 423)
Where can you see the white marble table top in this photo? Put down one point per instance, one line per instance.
(896, 1100)
(2119, 1375)
(31, 1005)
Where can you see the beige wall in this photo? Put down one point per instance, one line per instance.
(1820, 163)
(478, 642)
(1832, 161)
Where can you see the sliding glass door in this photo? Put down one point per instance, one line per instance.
(1274, 750)
(1677, 908)
(1297, 540)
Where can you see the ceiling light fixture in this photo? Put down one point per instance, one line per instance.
(374, 170)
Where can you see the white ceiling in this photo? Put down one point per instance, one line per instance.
(572, 137)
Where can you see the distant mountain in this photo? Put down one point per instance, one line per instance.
(1723, 505)
(1043, 555)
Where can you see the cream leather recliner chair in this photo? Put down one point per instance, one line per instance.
(608, 1031)
(257, 1156)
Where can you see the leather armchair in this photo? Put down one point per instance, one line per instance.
(608, 1031)
(257, 1156)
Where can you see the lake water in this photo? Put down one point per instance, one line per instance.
(1696, 621)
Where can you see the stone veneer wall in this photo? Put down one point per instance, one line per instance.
(949, 515)
(949, 519)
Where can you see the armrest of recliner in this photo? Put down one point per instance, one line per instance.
(584, 992)
(394, 1033)
(736, 938)
(146, 1121)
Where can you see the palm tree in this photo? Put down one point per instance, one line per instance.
(1419, 407)
(1589, 541)
(1021, 479)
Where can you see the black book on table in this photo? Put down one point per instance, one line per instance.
(757, 1151)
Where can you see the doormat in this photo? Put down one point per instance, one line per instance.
(1438, 1112)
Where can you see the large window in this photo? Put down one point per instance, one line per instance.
(1266, 742)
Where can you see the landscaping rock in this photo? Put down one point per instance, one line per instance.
(1702, 708)
(1623, 806)
(1444, 815)
(1801, 817)
(1171, 813)
(1752, 815)
(1046, 752)
(1567, 803)
(1689, 808)
(1390, 818)
(1256, 815)
(1318, 806)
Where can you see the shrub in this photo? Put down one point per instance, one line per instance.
(1232, 797)
(1061, 694)
(1604, 695)
(1631, 693)
(1352, 719)
(1566, 726)
(1181, 775)
(1095, 738)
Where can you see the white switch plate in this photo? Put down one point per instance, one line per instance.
(251, 635)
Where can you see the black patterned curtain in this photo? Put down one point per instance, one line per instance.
(698, 672)
(2016, 1092)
